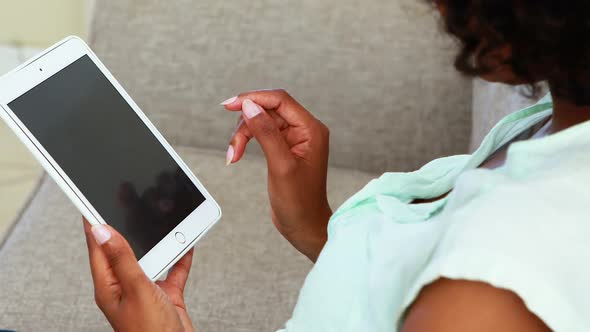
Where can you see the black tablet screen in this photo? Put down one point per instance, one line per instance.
(109, 153)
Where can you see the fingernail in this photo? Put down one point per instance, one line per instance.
(229, 101)
(101, 234)
(229, 156)
(250, 109)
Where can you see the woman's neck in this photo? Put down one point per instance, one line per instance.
(565, 115)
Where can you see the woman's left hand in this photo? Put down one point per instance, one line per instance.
(127, 297)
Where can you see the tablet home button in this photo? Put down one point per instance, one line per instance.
(180, 237)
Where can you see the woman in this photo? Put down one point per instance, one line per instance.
(494, 241)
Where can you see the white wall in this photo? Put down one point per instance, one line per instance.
(40, 23)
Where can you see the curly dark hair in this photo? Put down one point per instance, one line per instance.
(549, 40)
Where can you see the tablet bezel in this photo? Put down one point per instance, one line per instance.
(22, 79)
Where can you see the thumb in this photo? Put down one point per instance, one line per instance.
(119, 256)
(268, 135)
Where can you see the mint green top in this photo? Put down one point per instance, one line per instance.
(524, 227)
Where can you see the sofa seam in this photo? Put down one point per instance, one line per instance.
(25, 207)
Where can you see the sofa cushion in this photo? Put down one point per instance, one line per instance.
(245, 276)
(494, 101)
(378, 73)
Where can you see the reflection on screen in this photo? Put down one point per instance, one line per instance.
(109, 153)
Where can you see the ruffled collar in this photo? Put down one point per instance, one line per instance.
(392, 193)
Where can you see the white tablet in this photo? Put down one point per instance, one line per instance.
(105, 154)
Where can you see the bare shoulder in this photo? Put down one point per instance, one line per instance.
(464, 306)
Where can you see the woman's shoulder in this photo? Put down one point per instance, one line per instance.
(526, 233)
(535, 215)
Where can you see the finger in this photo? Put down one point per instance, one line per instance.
(241, 123)
(268, 135)
(119, 257)
(102, 276)
(281, 123)
(239, 142)
(277, 100)
(243, 135)
(179, 273)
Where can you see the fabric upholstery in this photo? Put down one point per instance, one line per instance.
(492, 102)
(245, 277)
(378, 73)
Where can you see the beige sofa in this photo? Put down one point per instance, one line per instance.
(377, 72)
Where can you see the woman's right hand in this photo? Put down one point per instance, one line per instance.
(296, 146)
(127, 297)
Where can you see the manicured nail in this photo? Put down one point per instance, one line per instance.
(229, 101)
(101, 234)
(229, 156)
(250, 109)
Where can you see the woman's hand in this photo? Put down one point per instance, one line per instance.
(127, 297)
(296, 146)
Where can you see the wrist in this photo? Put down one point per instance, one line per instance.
(311, 240)
(313, 244)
